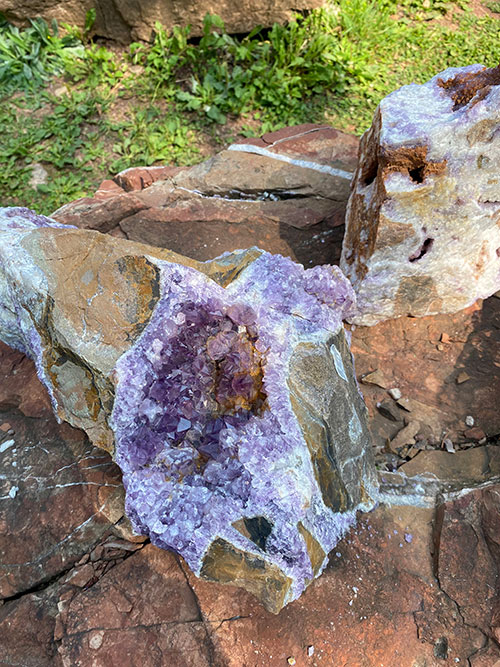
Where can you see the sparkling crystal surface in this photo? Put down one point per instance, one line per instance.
(205, 430)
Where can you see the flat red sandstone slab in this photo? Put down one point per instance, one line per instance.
(399, 590)
(282, 201)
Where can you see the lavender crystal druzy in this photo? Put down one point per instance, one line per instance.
(205, 430)
(225, 391)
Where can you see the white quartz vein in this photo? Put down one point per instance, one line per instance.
(305, 164)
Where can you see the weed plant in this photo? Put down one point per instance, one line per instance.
(29, 58)
(85, 111)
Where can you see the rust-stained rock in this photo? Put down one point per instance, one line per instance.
(462, 469)
(422, 231)
(469, 555)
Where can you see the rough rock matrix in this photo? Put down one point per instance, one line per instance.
(225, 391)
(423, 232)
(128, 20)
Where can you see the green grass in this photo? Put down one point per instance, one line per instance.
(84, 111)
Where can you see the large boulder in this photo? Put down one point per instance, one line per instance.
(127, 20)
(285, 192)
(224, 390)
(422, 230)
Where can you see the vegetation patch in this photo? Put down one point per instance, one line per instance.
(84, 111)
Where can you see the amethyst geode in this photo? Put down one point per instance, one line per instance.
(225, 391)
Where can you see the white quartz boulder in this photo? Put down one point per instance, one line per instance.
(423, 220)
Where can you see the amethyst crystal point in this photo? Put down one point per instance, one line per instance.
(225, 389)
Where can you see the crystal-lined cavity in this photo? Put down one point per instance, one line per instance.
(242, 439)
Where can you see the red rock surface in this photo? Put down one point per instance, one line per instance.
(411, 357)
(235, 200)
(410, 587)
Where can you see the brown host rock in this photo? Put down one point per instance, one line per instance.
(127, 20)
(224, 390)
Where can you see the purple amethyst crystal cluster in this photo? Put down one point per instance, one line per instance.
(225, 391)
(206, 433)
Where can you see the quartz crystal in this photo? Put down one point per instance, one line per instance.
(423, 232)
(224, 390)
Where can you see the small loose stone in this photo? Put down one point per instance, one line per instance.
(375, 377)
(291, 660)
(406, 436)
(469, 420)
(95, 640)
(449, 446)
(462, 377)
(405, 403)
(39, 175)
(6, 445)
(475, 433)
(395, 393)
(388, 410)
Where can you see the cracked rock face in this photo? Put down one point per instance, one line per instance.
(285, 192)
(224, 390)
(423, 231)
